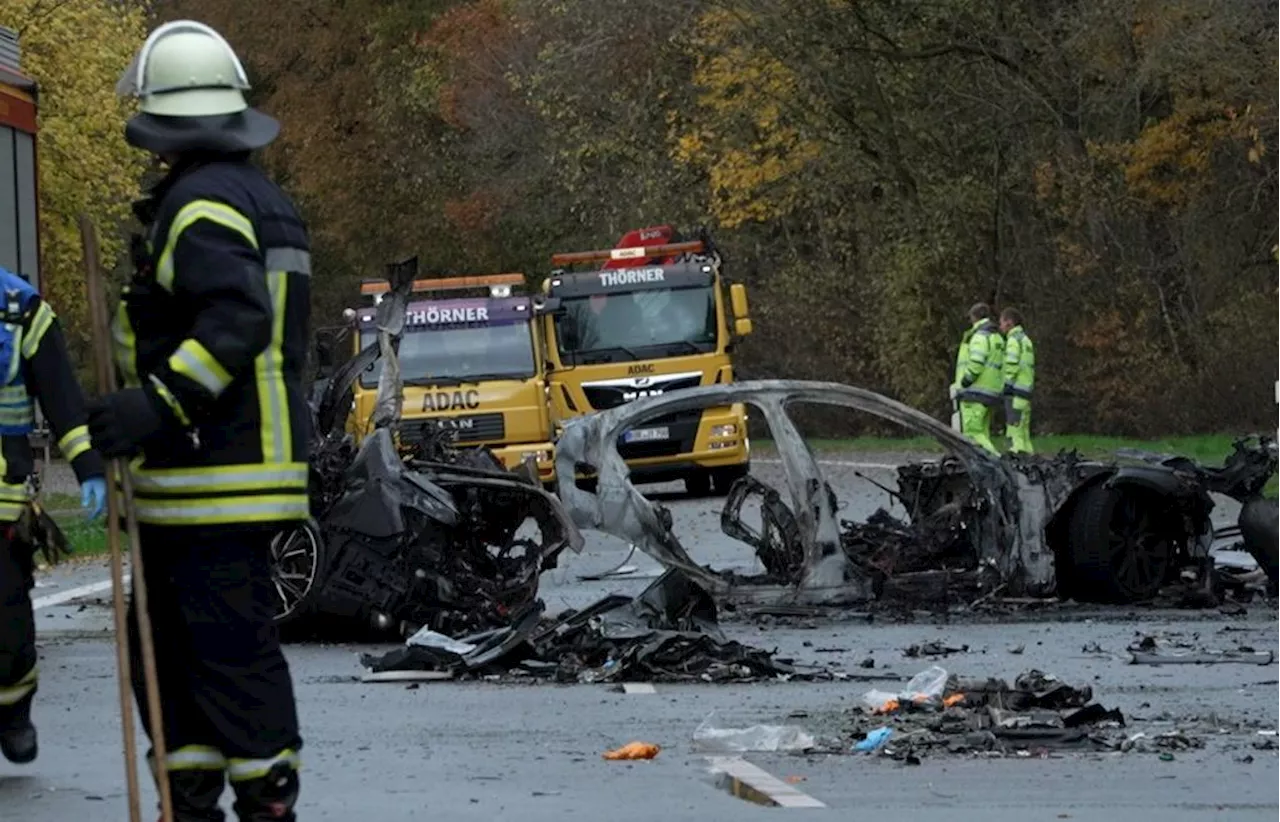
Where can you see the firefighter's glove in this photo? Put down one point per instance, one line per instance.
(93, 496)
(955, 391)
(119, 423)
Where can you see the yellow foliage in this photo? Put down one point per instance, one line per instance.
(740, 133)
(76, 52)
(1169, 161)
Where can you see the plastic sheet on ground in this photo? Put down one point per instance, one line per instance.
(758, 738)
(669, 632)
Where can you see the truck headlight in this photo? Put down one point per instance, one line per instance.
(539, 456)
(728, 430)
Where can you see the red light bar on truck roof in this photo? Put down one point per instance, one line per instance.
(446, 284)
(691, 247)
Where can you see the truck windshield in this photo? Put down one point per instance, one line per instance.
(458, 354)
(617, 325)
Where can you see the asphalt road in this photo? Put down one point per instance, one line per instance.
(494, 751)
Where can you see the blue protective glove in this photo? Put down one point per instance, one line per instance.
(93, 496)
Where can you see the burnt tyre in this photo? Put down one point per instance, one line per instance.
(1120, 546)
(298, 561)
(724, 478)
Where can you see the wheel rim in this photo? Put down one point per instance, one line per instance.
(296, 556)
(1139, 556)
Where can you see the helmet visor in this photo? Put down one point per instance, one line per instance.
(127, 85)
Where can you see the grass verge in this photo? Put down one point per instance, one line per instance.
(88, 539)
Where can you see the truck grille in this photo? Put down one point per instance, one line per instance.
(610, 396)
(470, 428)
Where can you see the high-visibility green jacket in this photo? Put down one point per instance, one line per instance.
(978, 364)
(1019, 363)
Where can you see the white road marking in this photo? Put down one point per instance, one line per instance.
(754, 784)
(73, 594)
(638, 688)
(865, 466)
(406, 676)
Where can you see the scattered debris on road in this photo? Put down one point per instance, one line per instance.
(631, 751)
(932, 649)
(1147, 652)
(942, 712)
(668, 633)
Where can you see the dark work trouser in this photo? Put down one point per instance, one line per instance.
(225, 688)
(17, 632)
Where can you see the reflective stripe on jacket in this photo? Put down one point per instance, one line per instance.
(216, 320)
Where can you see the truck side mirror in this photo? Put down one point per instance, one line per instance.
(741, 311)
(547, 305)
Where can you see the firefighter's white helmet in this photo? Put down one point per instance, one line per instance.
(191, 85)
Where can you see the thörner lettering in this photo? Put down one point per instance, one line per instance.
(450, 400)
(632, 276)
(439, 316)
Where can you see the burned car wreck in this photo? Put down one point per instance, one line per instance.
(444, 539)
(972, 524)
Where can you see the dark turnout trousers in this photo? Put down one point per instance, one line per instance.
(225, 687)
(17, 640)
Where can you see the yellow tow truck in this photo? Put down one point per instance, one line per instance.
(472, 365)
(645, 318)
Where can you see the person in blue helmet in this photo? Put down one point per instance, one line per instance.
(34, 367)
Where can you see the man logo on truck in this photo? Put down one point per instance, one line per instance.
(632, 276)
(628, 396)
(454, 423)
(450, 400)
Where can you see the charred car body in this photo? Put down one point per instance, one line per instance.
(1018, 526)
(436, 539)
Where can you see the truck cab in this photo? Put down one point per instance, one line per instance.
(471, 366)
(648, 317)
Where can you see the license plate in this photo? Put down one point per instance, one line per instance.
(647, 434)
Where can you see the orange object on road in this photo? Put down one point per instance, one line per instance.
(633, 750)
(954, 699)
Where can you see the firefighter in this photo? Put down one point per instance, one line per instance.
(979, 383)
(211, 336)
(35, 365)
(1019, 379)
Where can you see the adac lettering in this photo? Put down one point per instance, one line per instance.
(632, 276)
(641, 368)
(450, 400)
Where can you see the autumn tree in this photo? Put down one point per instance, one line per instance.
(76, 53)
(871, 169)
